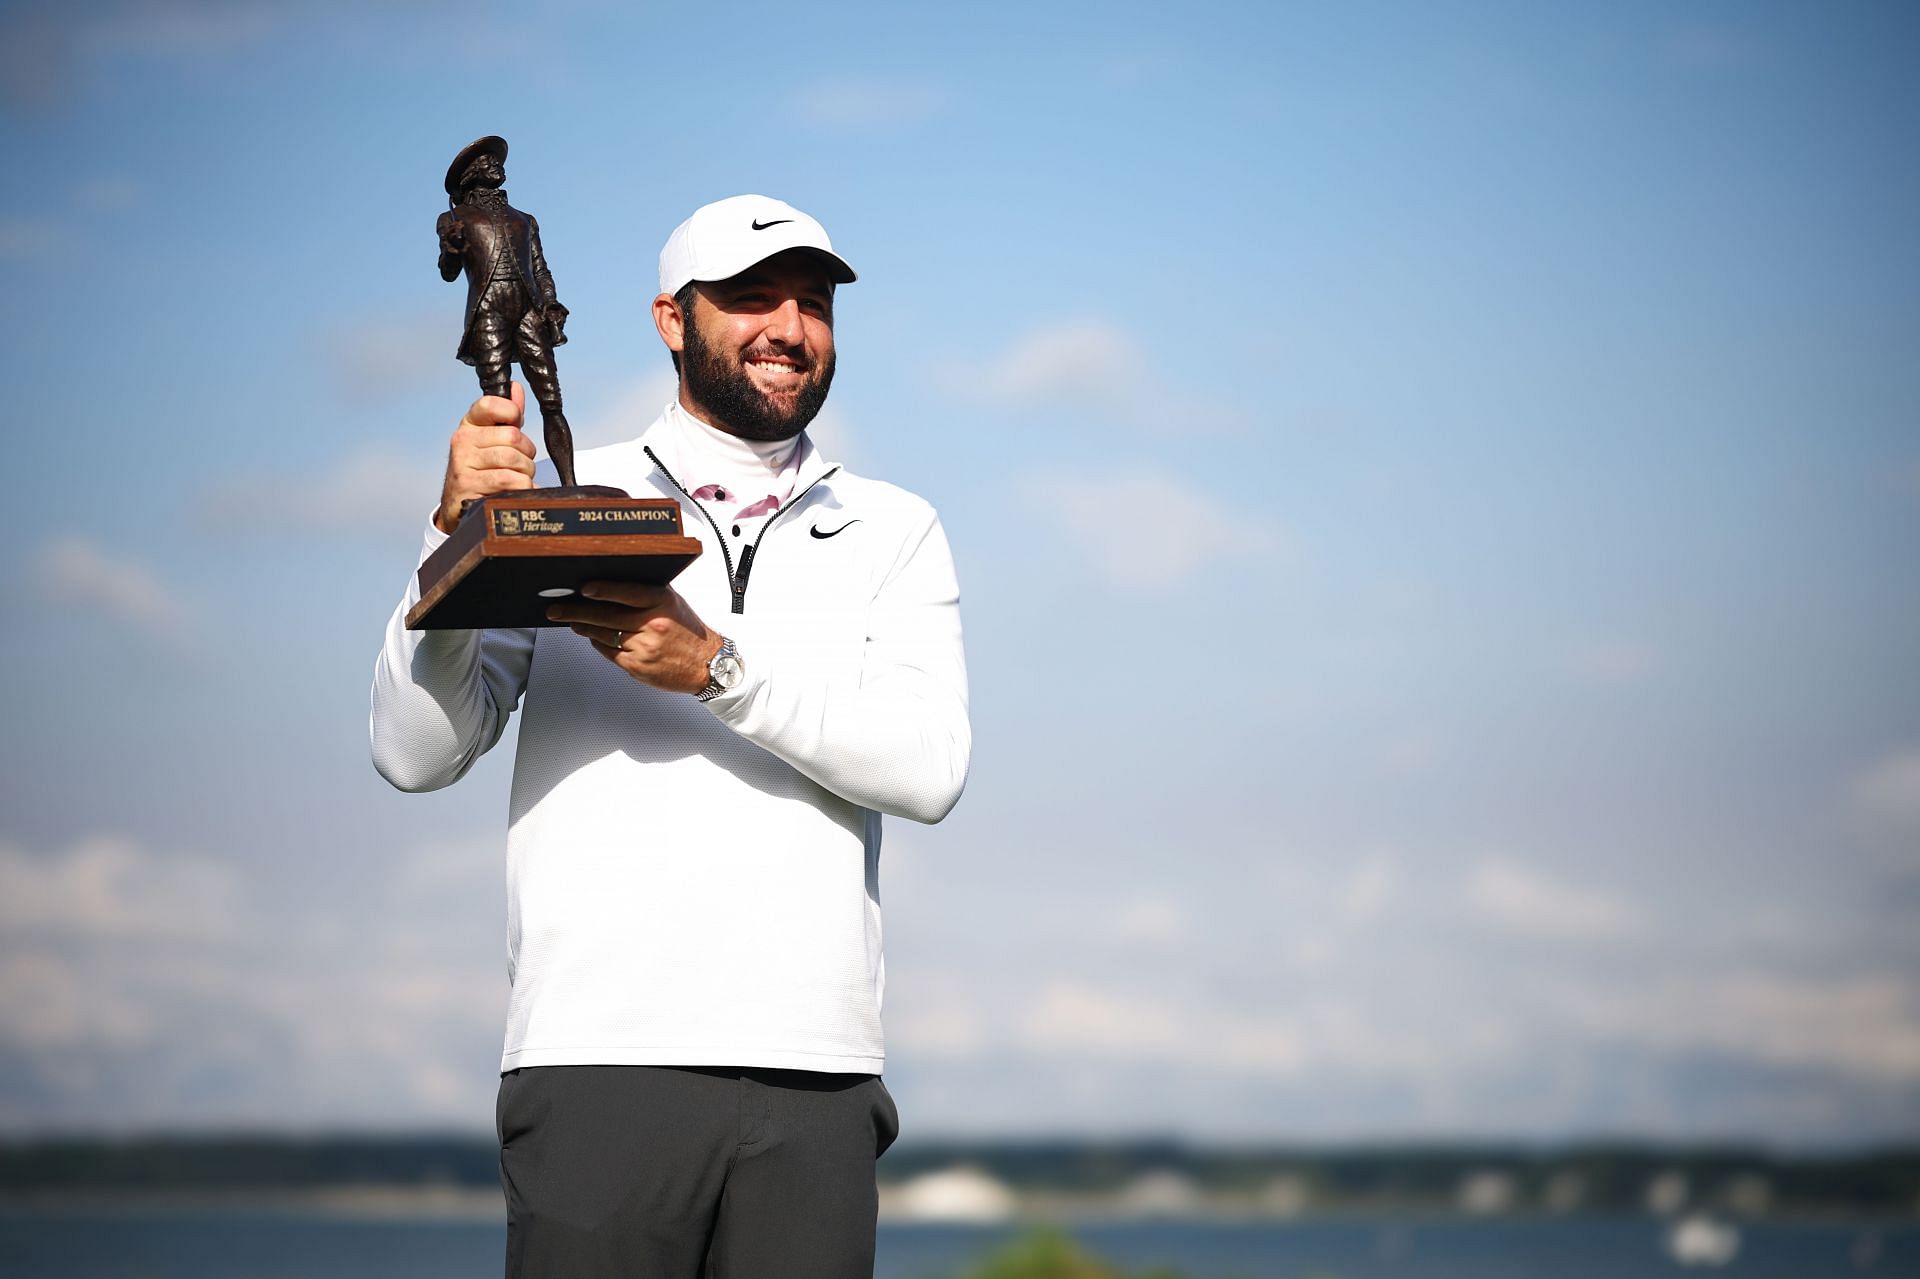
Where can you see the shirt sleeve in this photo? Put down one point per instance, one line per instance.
(898, 739)
(441, 699)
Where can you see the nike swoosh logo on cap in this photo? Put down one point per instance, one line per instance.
(761, 226)
(815, 530)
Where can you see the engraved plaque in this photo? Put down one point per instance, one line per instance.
(515, 554)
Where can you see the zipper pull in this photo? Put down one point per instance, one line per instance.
(740, 578)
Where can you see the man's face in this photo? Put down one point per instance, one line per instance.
(757, 350)
(485, 171)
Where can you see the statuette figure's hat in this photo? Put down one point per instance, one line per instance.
(493, 144)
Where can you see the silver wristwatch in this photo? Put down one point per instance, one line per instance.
(724, 672)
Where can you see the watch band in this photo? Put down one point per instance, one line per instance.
(726, 663)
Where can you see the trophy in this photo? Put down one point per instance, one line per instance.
(513, 554)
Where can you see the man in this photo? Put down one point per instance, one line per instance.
(513, 312)
(691, 1073)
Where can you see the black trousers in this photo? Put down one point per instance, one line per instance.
(666, 1172)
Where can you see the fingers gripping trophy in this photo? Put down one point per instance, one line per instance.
(513, 313)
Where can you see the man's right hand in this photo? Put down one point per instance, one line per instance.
(489, 454)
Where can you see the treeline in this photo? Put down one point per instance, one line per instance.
(245, 1163)
(1609, 1177)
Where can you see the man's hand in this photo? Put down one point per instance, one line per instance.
(647, 631)
(489, 454)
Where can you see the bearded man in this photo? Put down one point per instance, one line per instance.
(691, 1080)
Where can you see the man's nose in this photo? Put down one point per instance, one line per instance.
(783, 323)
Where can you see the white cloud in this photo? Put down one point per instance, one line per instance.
(1079, 360)
(868, 104)
(1886, 797)
(23, 239)
(382, 357)
(46, 1006)
(1072, 1020)
(129, 976)
(1613, 661)
(943, 1021)
(62, 915)
(835, 437)
(625, 414)
(1090, 363)
(74, 571)
(1069, 1020)
(1143, 525)
(109, 888)
(374, 491)
(1530, 903)
(1412, 751)
(1081, 1018)
(1150, 921)
(1866, 1025)
(1368, 890)
(1379, 991)
(1259, 1048)
(107, 193)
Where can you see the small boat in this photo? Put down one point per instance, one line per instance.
(1699, 1240)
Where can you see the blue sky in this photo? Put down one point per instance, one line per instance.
(1435, 490)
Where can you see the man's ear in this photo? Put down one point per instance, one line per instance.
(671, 324)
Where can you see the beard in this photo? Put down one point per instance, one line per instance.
(721, 385)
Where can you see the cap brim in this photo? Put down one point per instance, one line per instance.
(839, 271)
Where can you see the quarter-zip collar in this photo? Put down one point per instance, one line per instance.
(699, 453)
(657, 440)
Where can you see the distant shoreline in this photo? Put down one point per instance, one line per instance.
(472, 1205)
(372, 1201)
(457, 1179)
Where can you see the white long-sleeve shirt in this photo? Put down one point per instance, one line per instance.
(698, 884)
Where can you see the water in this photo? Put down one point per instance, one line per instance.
(1431, 1249)
(229, 1245)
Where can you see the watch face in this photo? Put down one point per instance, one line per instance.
(726, 671)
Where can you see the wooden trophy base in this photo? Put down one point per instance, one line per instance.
(514, 555)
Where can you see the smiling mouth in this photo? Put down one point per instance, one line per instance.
(776, 370)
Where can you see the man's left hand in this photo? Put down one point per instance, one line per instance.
(647, 631)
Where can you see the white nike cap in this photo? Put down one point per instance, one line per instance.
(726, 237)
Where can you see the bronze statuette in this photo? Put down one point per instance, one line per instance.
(515, 553)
